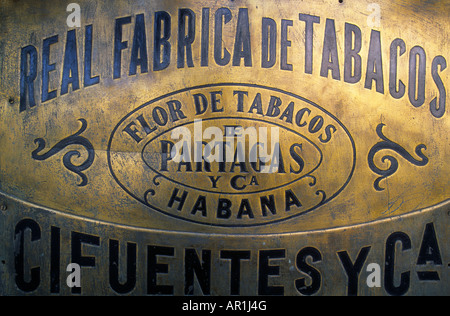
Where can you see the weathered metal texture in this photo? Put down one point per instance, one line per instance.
(356, 89)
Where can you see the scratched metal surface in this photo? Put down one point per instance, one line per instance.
(357, 90)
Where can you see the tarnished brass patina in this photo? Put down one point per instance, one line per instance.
(96, 97)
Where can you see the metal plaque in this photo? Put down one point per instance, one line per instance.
(238, 147)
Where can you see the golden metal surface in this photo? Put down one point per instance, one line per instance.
(357, 92)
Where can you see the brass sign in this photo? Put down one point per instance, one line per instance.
(224, 148)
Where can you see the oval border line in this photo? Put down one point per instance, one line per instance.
(239, 193)
(256, 86)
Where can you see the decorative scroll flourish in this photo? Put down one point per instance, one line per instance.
(387, 144)
(314, 180)
(151, 191)
(324, 196)
(74, 139)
